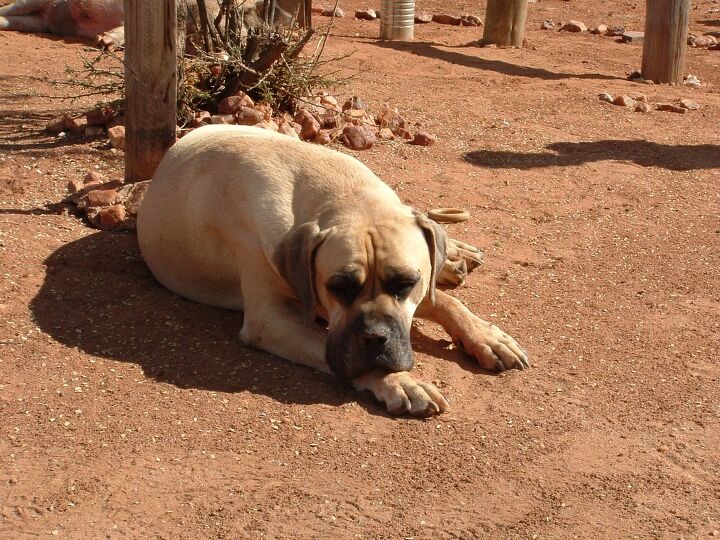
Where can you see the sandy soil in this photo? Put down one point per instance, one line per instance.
(128, 412)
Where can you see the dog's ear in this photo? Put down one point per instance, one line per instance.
(294, 258)
(436, 239)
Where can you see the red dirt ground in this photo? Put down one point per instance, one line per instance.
(129, 412)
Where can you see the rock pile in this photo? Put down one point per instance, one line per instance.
(640, 103)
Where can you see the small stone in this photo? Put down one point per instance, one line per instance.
(643, 107)
(422, 138)
(131, 195)
(689, 105)
(354, 103)
(310, 127)
(671, 107)
(692, 80)
(248, 116)
(386, 134)
(635, 75)
(116, 135)
(624, 101)
(101, 116)
(94, 131)
(101, 197)
(633, 37)
(93, 177)
(366, 14)
(358, 137)
(423, 17)
(230, 105)
(201, 118)
(390, 118)
(548, 25)
(330, 12)
(599, 29)
(447, 19)
(638, 96)
(702, 42)
(574, 26)
(77, 125)
(109, 218)
(614, 31)
(604, 96)
(323, 137)
(329, 120)
(471, 20)
(222, 119)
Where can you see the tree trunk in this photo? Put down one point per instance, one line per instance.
(666, 31)
(505, 22)
(150, 85)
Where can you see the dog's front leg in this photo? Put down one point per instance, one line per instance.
(402, 393)
(491, 347)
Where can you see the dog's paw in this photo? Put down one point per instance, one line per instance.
(461, 259)
(493, 349)
(403, 394)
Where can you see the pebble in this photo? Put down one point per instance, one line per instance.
(109, 217)
(423, 138)
(625, 101)
(386, 134)
(423, 17)
(442, 18)
(633, 37)
(671, 107)
(615, 31)
(604, 96)
(310, 127)
(692, 80)
(358, 137)
(701, 41)
(330, 12)
(355, 103)
(322, 138)
(599, 29)
(574, 26)
(471, 20)
(366, 14)
(390, 118)
(116, 134)
(101, 197)
(643, 107)
(638, 96)
(247, 116)
(548, 25)
(689, 105)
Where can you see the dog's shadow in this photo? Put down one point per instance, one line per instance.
(98, 296)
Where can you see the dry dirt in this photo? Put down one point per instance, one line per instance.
(128, 412)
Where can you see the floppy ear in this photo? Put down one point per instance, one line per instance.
(295, 260)
(436, 239)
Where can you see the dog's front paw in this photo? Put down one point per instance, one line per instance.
(402, 393)
(493, 349)
(460, 260)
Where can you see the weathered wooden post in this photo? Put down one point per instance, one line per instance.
(666, 31)
(505, 22)
(150, 85)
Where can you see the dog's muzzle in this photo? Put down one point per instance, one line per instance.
(369, 342)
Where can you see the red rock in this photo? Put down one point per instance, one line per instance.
(638, 96)
(423, 17)
(101, 197)
(109, 218)
(93, 177)
(330, 12)
(386, 134)
(101, 116)
(615, 31)
(624, 101)
(309, 124)
(322, 138)
(390, 118)
(354, 103)
(366, 14)
(77, 125)
(671, 107)
(358, 137)
(446, 19)
(599, 29)
(230, 105)
(131, 195)
(689, 105)
(248, 116)
(288, 128)
(574, 26)
(117, 137)
(329, 120)
(643, 107)
(471, 20)
(422, 138)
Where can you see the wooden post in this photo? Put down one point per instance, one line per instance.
(150, 85)
(666, 31)
(505, 22)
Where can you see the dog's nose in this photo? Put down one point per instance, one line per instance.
(375, 338)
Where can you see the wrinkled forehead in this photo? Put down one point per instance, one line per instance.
(385, 250)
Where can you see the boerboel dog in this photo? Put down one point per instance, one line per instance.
(327, 264)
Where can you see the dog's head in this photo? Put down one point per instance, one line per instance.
(366, 278)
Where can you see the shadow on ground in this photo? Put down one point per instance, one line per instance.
(645, 153)
(98, 296)
(441, 52)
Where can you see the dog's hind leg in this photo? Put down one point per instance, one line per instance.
(25, 23)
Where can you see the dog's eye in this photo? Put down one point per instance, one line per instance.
(400, 289)
(345, 291)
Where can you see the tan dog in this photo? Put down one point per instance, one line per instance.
(248, 219)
